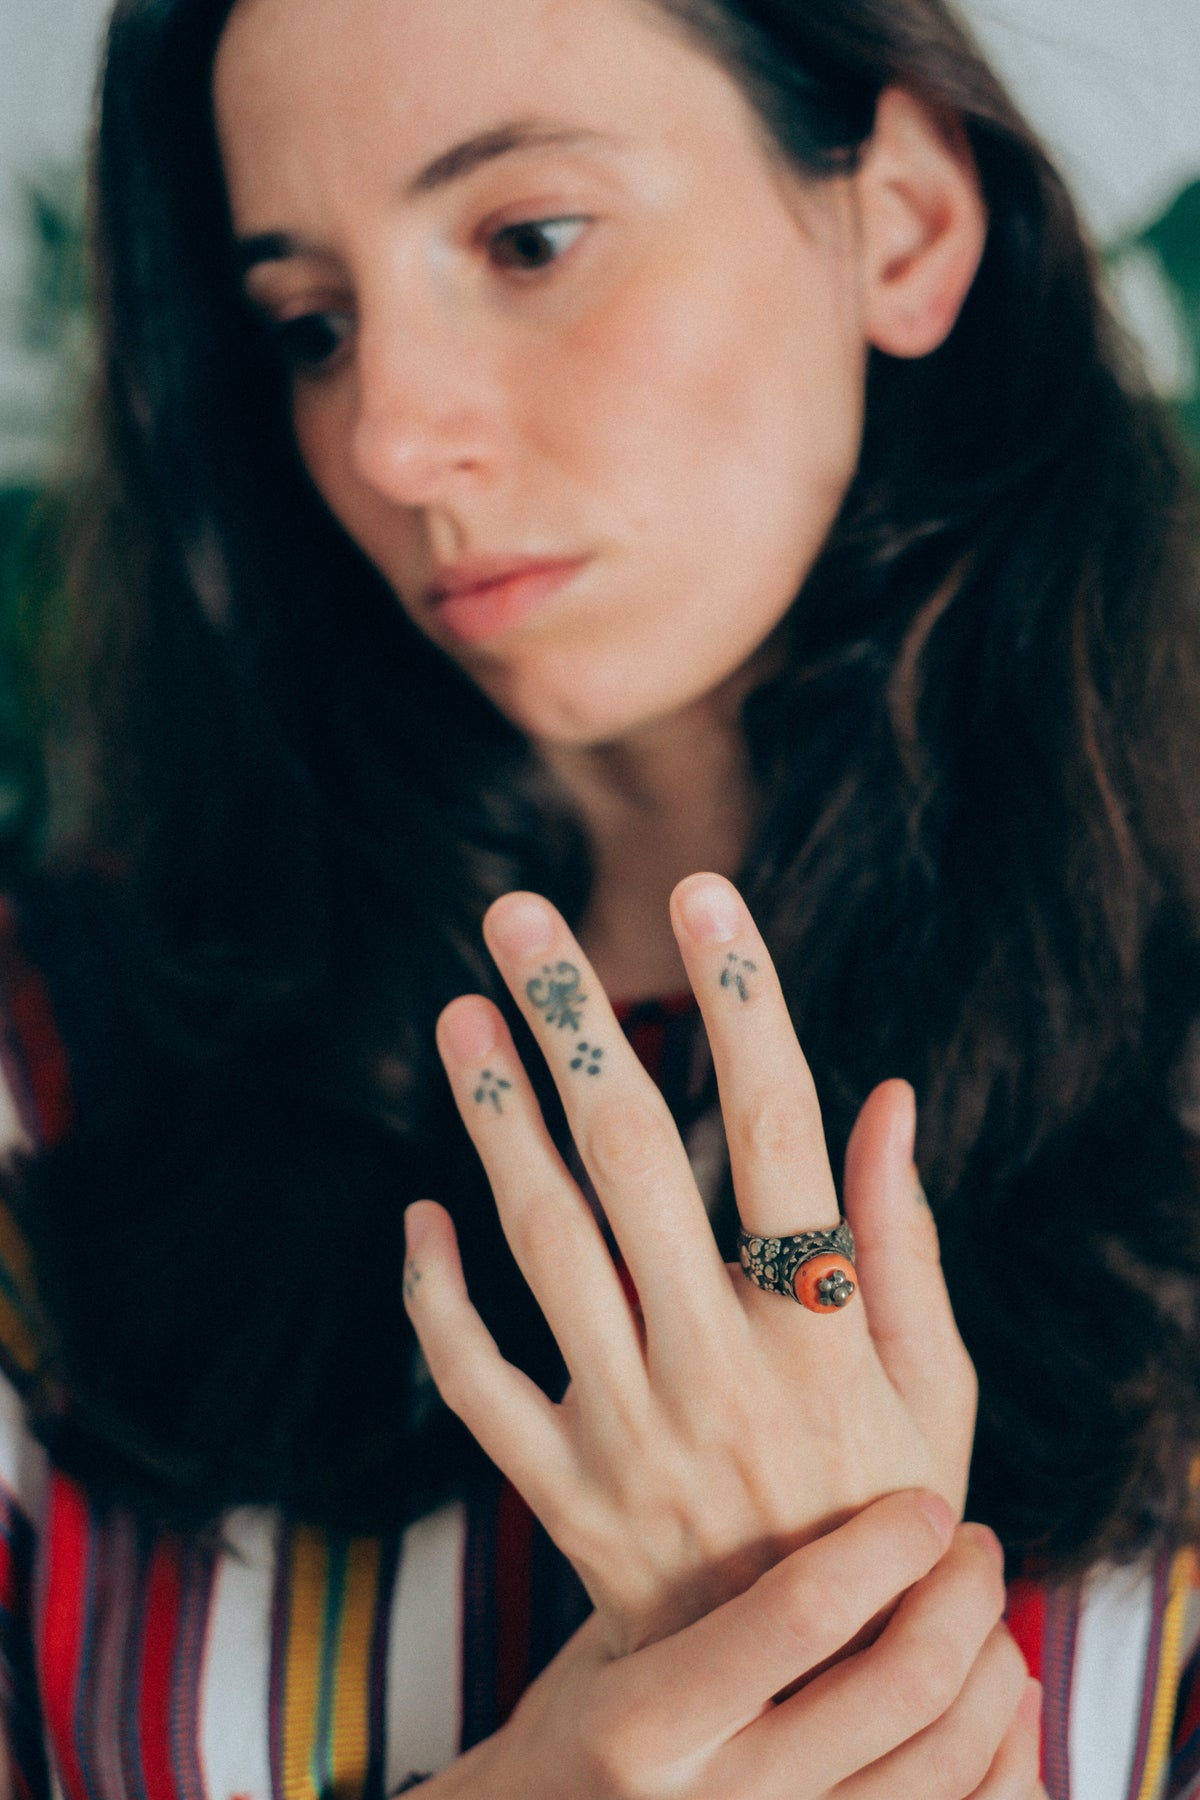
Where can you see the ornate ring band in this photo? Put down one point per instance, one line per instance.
(814, 1268)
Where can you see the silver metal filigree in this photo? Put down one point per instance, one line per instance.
(772, 1263)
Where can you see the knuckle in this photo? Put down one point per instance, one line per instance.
(964, 1755)
(927, 1682)
(529, 1223)
(452, 1383)
(800, 1599)
(772, 1127)
(622, 1138)
(612, 1762)
(984, 1579)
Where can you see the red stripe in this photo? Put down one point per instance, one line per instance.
(1189, 1716)
(1026, 1617)
(514, 1599)
(160, 1639)
(62, 1625)
(31, 1016)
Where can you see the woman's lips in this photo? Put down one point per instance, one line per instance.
(476, 611)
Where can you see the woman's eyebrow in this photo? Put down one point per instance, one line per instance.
(499, 140)
(452, 165)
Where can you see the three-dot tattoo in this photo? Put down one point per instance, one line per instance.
(555, 992)
(734, 974)
(412, 1279)
(589, 1057)
(490, 1088)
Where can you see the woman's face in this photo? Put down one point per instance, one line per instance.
(574, 361)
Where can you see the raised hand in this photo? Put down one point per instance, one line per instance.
(720, 1427)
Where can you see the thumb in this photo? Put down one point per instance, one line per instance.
(899, 1264)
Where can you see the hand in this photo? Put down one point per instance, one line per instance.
(704, 1439)
(939, 1707)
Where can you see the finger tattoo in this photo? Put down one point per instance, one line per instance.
(490, 1088)
(735, 972)
(555, 992)
(589, 1057)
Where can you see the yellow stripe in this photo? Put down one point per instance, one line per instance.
(14, 1252)
(16, 1333)
(352, 1699)
(1181, 1581)
(307, 1580)
(17, 1338)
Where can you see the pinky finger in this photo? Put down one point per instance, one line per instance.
(507, 1414)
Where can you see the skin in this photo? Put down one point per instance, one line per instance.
(670, 394)
(677, 399)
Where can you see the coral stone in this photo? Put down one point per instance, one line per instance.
(837, 1272)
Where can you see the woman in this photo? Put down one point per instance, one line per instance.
(560, 448)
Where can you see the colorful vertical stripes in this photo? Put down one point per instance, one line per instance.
(40, 1064)
(122, 1616)
(325, 1673)
(27, 1769)
(1175, 1581)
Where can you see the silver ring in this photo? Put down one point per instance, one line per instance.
(773, 1263)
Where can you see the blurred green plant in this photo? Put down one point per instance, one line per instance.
(45, 360)
(1172, 242)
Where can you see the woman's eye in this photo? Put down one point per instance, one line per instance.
(310, 342)
(534, 243)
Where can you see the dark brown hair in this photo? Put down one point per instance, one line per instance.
(979, 866)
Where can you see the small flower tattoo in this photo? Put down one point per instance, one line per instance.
(490, 1089)
(412, 1280)
(734, 974)
(555, 992)
(589, 1057)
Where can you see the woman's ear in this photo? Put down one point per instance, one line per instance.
(923, 225)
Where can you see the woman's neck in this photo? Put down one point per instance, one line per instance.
(671, 799)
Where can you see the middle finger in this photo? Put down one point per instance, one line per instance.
(620, 1124)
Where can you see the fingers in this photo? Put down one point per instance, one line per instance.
(859, 1711)
(983, 1746)
(507, 1413)
(549, 1225)
(1015, 1773)
(906, 1302)
(619, 1122)
(687, 1695)
(773, 1124)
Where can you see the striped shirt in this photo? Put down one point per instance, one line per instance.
(278, 1662)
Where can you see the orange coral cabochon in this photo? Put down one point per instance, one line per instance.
(826, 1284)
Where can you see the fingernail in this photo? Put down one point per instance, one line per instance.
(710, 910)
(939, 1514)
(1030, 1710)
(521, 926)
(904, 1123)
(986, 1539)
(414, 1227)
(467, 1029)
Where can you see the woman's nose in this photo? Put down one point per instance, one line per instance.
(429, 419)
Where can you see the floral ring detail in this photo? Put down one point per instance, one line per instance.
(814, 1268)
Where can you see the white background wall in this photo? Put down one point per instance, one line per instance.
(1114, 86)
